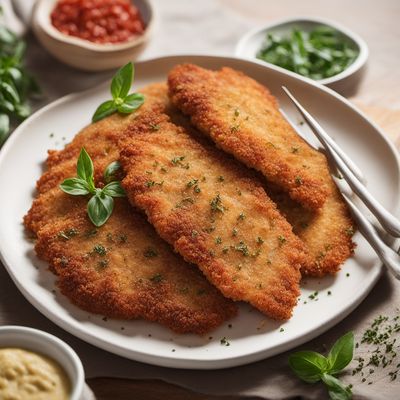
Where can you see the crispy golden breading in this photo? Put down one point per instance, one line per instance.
(243, 118)
(326, 233)
(122, 269)
(214, 212)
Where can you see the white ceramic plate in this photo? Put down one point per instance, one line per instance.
(251, 335)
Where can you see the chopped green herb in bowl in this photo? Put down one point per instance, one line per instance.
(317, 54)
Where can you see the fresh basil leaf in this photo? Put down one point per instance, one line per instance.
(100, 208)
(75, 186)
(4, 127)
(122, 81)
(84, 169)
(308, 365)
(336, 389)
(15, 74)
(131, 103)
(341, 353)
(111, 170)
(6, 36)
(6, 105)
(114, 189)
(22, 110)
(104, 110)
(9, 92)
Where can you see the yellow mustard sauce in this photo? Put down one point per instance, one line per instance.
(27, 375)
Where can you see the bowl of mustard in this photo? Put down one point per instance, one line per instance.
(38, 366)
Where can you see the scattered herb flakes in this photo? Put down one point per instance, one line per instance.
(150, 253)
(224, 342)
(103, 263)
(150, 184)
(260, 240)
(194, 233)
(221, 178)
(314, 296)
(235, 232)
(236, 112)
(242, 248)
(281, 240)
(154, 127)
(281, 330)
(295, 149)
(329, 292)
(64, 261)
(379, 350)
(157, 278)
(68, 234)
(235, 128)
(193, 183)
(218, 240)
(225, 249)
(241, 216)
(99, 249)
(177, 161)
(298, 180)
(216, 204)
(350, 231)
(90, 233)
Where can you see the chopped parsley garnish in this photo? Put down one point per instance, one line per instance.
(260, 240)
(241, 216)
(186, 200)
(298, 180)
(157, 278)
(224, 342)
(216, 204)
(100, 250)
(242, 248)
(68, 234)
(221, 178)
(317, 54)
(218, 240)
(281, 240)
(150, 253)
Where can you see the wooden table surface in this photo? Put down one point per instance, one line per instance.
(378, 96)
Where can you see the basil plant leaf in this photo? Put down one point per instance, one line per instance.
(10, 92)
(75, 186)
(341, 353)
(111, 171)
(336, 389)
(308, 365)
(114, 189)
(104, 110)
(122, 81)
(131, 103)
(4, 127)
(99, 208)
(85, 169)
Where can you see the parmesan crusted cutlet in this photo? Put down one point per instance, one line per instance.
(122, 269)
(213, 211)
(242, 118)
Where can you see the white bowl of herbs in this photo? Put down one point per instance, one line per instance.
(312, 47)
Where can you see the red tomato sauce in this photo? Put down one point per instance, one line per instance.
(99, 21)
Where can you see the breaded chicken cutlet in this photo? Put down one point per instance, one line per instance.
(122, 269)
(214, 212)
(327, 233)
(242, 118)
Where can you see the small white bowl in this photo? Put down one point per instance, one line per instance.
(84, 54)
(344, 82)
(50, 346)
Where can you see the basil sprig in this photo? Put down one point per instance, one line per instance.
(313, 367)
(101, 204)
(121, 101)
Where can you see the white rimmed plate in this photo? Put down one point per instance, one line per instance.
(251, 336)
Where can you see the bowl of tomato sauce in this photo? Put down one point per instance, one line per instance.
(93, 35)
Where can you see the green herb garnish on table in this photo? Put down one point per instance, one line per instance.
(101, 204)
(122, 102)
(318, 54)
(16, 84)
(313, 367)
